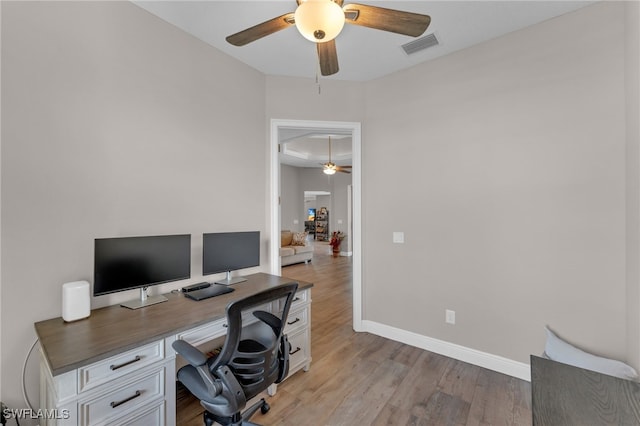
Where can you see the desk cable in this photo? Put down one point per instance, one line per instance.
(24, 370)
(4, 408)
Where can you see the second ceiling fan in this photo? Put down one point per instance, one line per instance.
(330, 168)
(322, 20)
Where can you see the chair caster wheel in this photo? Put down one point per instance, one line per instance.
(265, 408)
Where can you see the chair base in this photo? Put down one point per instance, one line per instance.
(238, 419)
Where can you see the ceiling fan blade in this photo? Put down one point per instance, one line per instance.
(328, 57)
(261, 30)
(380, 18)
(342, 170)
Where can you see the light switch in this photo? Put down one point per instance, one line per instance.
(398, 237)
(339, 221)
(295, 221)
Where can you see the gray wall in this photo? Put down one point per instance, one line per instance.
(508, 169)
(114, 124)
(298, 99)
(295, 180)
(291, 199)
(1, 376)
(632, 91)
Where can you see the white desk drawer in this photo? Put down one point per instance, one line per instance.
(296, 320)
(205, 333)
(117, 366)
(300, 298)
(153, 417)
(298, 353)
(128, 398)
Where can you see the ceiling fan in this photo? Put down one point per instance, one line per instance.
(322, 20)
(330, 168)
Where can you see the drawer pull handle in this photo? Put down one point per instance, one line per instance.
(297, 350)
(295, 299)
(114, 367)
(294, 321)
(225, 325)
(116, 404)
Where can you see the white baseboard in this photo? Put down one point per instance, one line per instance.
(482, 359)
(346, 253)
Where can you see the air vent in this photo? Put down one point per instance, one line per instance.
(422, 43)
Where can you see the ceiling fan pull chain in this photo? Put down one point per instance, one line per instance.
(318, 84)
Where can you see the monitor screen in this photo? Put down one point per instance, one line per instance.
(230, 251)
(133, 262)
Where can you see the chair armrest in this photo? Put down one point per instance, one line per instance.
(283, 358)
(190, 353)
(269, 319)
(198, 360)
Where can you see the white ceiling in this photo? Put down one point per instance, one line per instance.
(363, 53)
(310, 147)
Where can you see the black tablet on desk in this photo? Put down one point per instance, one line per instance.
(211, 291)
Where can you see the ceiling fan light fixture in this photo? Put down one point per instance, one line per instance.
(319, 20)
(329, 169)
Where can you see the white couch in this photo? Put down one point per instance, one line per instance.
(292, 253)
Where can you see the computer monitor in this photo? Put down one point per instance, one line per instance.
(127, 263)
(230, 251)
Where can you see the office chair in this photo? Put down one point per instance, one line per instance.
(255, 355)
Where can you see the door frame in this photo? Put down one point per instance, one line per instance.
(356, 177)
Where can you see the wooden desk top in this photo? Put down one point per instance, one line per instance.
(566, 395)
(113, 329)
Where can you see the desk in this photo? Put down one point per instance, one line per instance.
(566, 395)
(118, 366)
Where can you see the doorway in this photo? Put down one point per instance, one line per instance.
(279, 127)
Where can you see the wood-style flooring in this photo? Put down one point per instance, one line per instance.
(363, 379)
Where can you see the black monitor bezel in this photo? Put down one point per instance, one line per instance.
(112, 290)
(255, 261)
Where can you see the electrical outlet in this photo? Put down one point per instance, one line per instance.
(398, 237)
(450, 316)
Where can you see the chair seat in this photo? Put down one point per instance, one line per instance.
(250, 346)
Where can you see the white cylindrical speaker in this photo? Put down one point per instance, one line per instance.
(76, 302)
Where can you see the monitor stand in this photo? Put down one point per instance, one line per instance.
(228, 280)
(144, 300)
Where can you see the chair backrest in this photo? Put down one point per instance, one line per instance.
(254, 339)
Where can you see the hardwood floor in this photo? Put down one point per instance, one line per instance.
(363, 379)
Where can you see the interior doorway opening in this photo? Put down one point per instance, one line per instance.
(285, 131)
